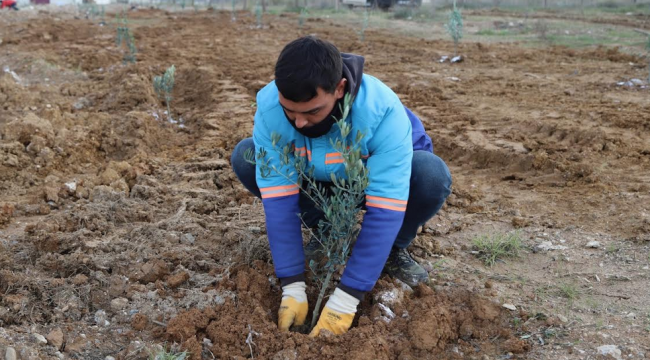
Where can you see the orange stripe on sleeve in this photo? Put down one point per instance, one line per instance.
(274, 195)
(274, 188)
(394, 201)
(338, 154)
(383, 206)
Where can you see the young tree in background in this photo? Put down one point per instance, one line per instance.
(455, 27)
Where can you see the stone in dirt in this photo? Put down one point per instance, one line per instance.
(10, 354)
(119, 304)
(610, 351)
(286, 354)
(548, 246)
(593, 244)
(55, 338)
(40, 339)
(510, 307)
(389, 297)
(101, 318)
(188, 239)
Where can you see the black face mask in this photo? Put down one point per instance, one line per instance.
(322, 127)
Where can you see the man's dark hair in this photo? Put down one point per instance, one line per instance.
(306, 64)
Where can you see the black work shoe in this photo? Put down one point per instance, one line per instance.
(401, 265)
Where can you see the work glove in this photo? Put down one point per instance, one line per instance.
(338, 313)
(293, 308)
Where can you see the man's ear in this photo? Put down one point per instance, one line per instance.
(340, 88)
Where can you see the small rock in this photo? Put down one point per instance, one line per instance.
(255, 229)
(81, 103)
(286, 354)
(40, 339)
(611, 351)
(118, 304)
(188, 239)
(55, 338)
(386, 312)
(405, 287)
(109, 358)
(548, 246)
(510, 307)
(562, 318)
(71, 187)
(10, 354)
(389, 297)
(59, 355)
(631, 315)
(593, 244)
(101, 318)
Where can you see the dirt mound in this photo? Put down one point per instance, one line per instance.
(134, 87)
(12, 94)
(419, 324)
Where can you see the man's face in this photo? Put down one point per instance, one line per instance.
(309, 113)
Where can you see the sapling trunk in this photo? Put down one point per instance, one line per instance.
(647, 46)
(163, 86)
(321, 296)
(168, 99)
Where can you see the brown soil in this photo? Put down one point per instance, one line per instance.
(126, 230)
(635, 20)
(425, 323)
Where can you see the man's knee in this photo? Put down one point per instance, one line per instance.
(238, 157)
(430, 176)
